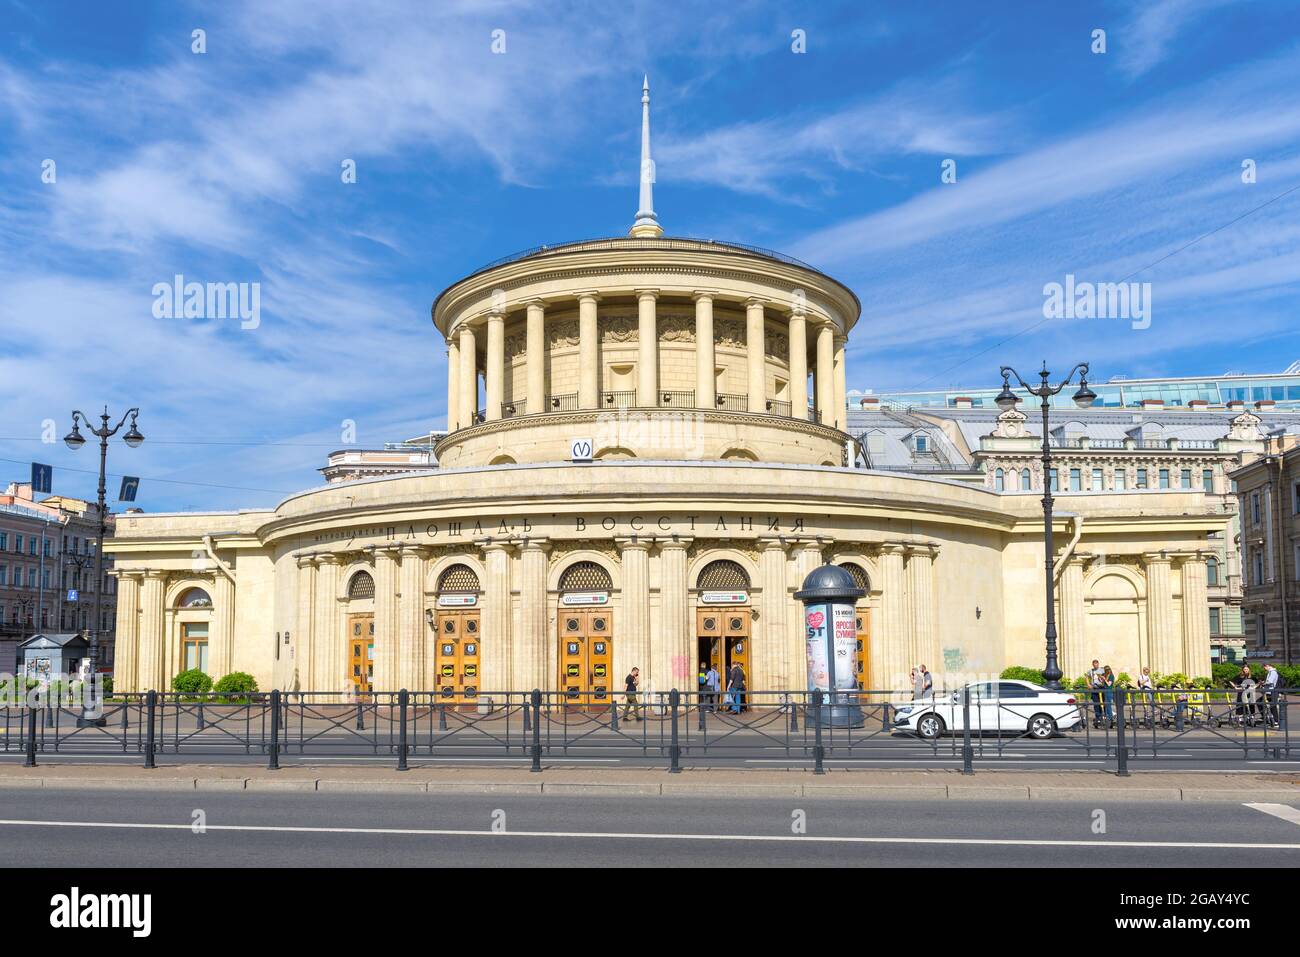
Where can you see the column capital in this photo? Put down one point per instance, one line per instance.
(536, 302)
(329, 558)
(647, 294)
(420, 551)
(1157, 558)
(929, 549)
(311, 558)
(491, 545)
(702, 294)
(773, 543)
(682, 542)
(154, 574)
(894, 548)
(542, 545)
(590, 295)
(759, 302)
(635, 543)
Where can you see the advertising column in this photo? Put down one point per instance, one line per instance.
(829, 596)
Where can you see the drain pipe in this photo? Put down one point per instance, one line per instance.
(1077, 522)
(212, 554)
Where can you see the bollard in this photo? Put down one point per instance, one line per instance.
(361, 716)
(200, 715)
(151, 711)
(699, 704)
(613, 715)
(273, 760)
(30, 760)
(1122, 753)
(819, 752)
(403, 698)
(442, 716)
(675, 748)
(1180, 712)
(527, 715)
(967, 752)
(794, 713)
(49, 712)
(537, 730)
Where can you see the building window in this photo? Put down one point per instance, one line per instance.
(999, 481)
(1212, 572)
(361, 586)
(922, 443)
(1254, 508)
(1142, 478)
(1026, 480)
(194, 642)
(1295, 505)
(1216, 621)
(1056, 482)
(1261, 632)
(1186, 477)
(1098, 484)
(1259, 567)
(1121, 480)
(4, 541)
(1164, 478)
(1076, 480)
(18, 544)
(1207, 480)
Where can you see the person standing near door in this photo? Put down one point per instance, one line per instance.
(713, 685)
(736, 686)
(632, 709)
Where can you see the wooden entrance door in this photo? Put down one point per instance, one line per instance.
(361, 652)
(457, 656)
(586, 657)
(726, 632)
(863, 658)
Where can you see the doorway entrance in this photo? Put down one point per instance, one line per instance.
(863, 617)
(456, 656)
(722, 637)
(361, 646)
(586, 657)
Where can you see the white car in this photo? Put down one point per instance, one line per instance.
(997, 707)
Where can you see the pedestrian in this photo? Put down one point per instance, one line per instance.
(702, 686)
(918, 684)
(736, 688)
(927, 683)
(713, 682)
(632, 709)
(1244, 684)
(1108, 693)
(1268, 687)
(1096, 682)
(1146, 687)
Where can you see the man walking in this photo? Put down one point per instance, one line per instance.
(927, 683)
(712, 682)
(736, 687)
(1268, 708)
(631, 683)
(1097, 682)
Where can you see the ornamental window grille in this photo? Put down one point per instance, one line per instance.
(195, 598)
(361, 586)
(458, 578)
(585, 576)
(723, 575)
(859, 575)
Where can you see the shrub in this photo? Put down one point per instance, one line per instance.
(193, 681)
(1123, 680)
(1224, 673)
(1175, 679)
(237, 682)
(1290, 675)
(1020, 673)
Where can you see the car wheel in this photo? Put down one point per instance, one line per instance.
(1042, 726)
(930, 726)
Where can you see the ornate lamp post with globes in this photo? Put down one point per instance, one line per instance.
(75, 440)
(1006, 401)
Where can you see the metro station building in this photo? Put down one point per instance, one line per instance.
(646, 453)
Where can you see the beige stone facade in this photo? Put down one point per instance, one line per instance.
(625, 415)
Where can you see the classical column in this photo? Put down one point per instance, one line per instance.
(496, 364)
(536, 357)
(304, 626)
(799, 366)
(411, 627)
(1196, 617)
(774, 652)
(1163, 639)
(647, 348)
(706, 363)
(808, 558)
(632, 649)
(496, 657)
(841, 387)
(755, 349)
(671, 655)
(889, 643)
(924, 642)
(329, 642)
(826, 373)
(534, 636)
(588, 358)
(126, 667)
(387, 638)
(151, 676)
(453, 384)
(467, 379)
(221, 640)
(1070, 617)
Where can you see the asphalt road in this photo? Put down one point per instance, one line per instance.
(83, 828)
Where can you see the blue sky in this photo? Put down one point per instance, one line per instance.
(225, 167)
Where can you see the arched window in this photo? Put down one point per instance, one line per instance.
(723, 575)
(1026, 480)
(361, 585)
(194, 598)
(999, 481)
(859, 574)
(458, 578)
(585, 576)
(1212, 572)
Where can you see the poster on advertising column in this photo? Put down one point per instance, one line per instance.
(830, 631)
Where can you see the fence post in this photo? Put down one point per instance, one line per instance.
(794, 712)
(199, 712)
(361, 715)
(527, 713)
(403, 697)
(819, 751)
(1122, 753)
(967, 752)
(701, 708)
(537, 729)
(151, 711)
(30, 760)
(674, 748)
(273, 762)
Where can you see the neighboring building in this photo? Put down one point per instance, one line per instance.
(395, 458)
(664, 484)
(60, 580)
(1269, 492)
(1095, 451)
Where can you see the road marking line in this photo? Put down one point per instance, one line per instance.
(1284, 811)
(616, 835)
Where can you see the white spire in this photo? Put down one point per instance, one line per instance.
(646, 224)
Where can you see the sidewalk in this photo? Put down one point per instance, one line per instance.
(872, 784)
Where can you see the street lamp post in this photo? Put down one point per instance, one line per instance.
(1006, 401)
(74, 440)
